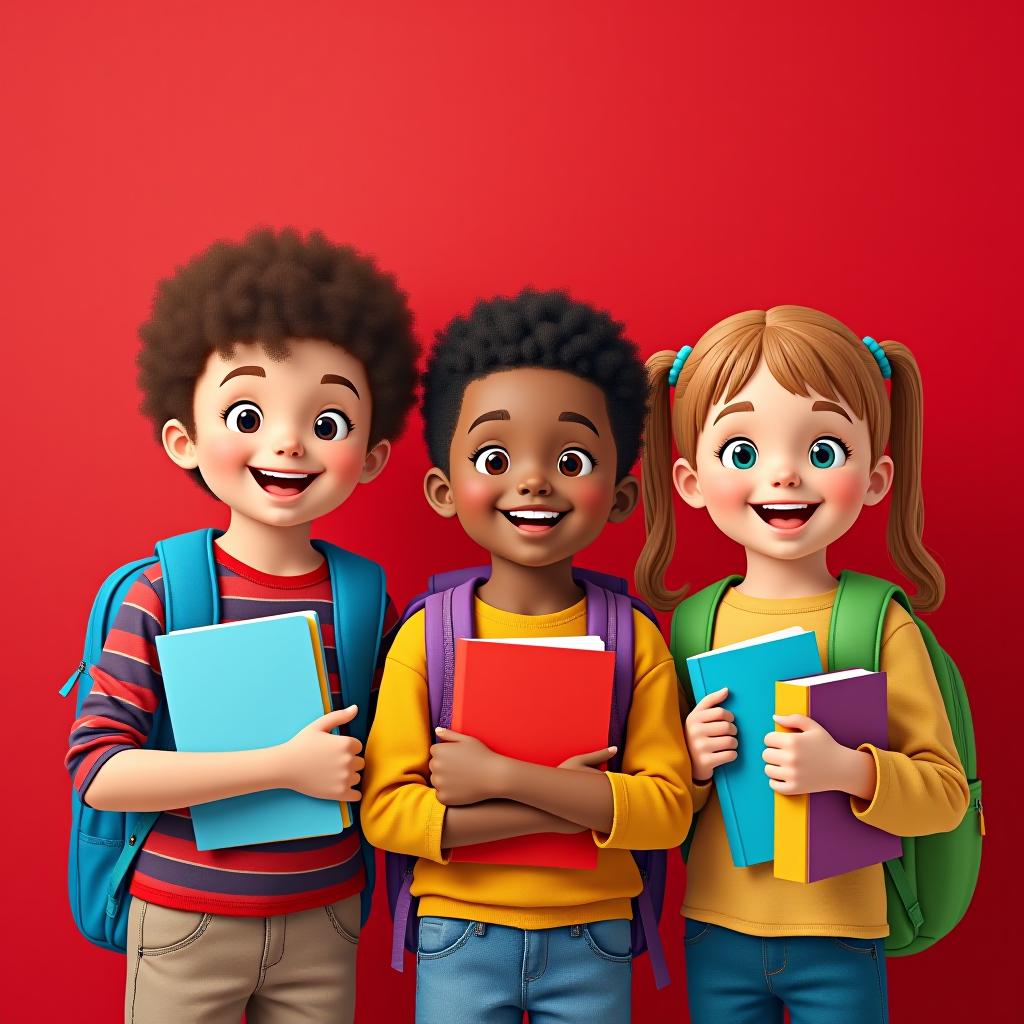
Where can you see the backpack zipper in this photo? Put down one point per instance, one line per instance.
(72, 679)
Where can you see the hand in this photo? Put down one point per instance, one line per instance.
(710, 735)
(808, 760)
(589, 762)
(318, 763)
(463, 770)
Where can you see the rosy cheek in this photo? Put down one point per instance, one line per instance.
(590, 497)
(476, 494)
(725, 491)
(844, 491)
(227, 453)
(341, 460)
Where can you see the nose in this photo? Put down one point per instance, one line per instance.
(785, 476)
(289, 445)
(536, 483)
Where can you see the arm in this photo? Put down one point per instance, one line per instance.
(110, 770)
(401, 810)
(646, 805)
(917, 787)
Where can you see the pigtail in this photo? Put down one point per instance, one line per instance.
(656, 483)
(906, 514)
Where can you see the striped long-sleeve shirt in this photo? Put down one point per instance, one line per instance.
(271, 878)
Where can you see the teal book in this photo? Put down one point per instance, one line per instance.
(751, 669)
(242, 686)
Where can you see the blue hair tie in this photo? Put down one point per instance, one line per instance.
(677, 364)
(880, 357)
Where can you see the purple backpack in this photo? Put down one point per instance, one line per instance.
(448, 605)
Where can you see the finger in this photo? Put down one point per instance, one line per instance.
(715, 715)
(719, 743)
(800, 722)
(595, 757)
(713, 698)
(358, 764)
(723, 758)
(772, 755)
(779, 739)
(773, 771)
(719, 729)
(450, 735)
(335, 718)
(353, 796)
(785, 788)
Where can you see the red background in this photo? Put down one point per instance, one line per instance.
(672, 162)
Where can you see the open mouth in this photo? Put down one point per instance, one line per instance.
(786, 515)
(285, 484)
(533, 520)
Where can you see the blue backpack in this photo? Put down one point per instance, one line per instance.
(104, 844)
(448, 605)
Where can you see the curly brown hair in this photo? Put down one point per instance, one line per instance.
(272, 286)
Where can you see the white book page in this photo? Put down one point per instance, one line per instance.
(767, 638)
(828, 677)
(243, 622)
(576, 643)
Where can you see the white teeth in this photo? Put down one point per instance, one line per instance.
(784, 508)
(533, 515)
(283, 476)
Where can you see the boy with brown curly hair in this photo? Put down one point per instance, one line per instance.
(276, 372)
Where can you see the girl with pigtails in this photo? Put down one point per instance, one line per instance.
(781, 421)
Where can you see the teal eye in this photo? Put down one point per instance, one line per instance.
(739, 454)
(828, 453)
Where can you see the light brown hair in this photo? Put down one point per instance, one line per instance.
(805, 351)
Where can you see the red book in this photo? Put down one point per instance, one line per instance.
(535, 702)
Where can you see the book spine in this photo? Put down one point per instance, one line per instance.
(792, 813)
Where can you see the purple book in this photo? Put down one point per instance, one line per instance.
(817, 835)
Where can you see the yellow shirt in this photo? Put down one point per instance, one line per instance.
(652, 803)
(921, 789)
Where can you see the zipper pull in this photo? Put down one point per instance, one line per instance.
(981, 817)
(72, 679)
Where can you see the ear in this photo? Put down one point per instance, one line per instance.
(438, 491)
(879, 481)
(684, 479)
(180, 447)
(376, 459)
(627, 494)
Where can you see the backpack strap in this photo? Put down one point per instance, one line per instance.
(448, 616)
(858, 616)
(185, 560)
(693, 627)
(360, 600)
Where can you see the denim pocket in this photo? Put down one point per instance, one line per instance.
(441, 936)
(344, 916)
(610, 940)
(867, 947)
(695, 931)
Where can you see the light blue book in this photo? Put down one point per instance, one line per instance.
(241, 686)
(751, 669)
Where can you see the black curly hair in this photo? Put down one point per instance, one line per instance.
(272, 286)
(535, 329)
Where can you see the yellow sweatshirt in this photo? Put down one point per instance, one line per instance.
(652, 803)
(921, 789)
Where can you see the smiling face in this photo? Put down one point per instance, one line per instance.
(782, 474)
(280, 442)
(532, 466)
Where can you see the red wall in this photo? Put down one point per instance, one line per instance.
(673, 162)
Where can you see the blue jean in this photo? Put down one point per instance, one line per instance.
(473, 973)
(746, 979)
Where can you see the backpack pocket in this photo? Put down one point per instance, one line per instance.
(97, 839)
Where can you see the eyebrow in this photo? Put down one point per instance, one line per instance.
(830, 407)
(334, 378)
(494, 414)
(252, 371)
(735, 407)
(577, 417)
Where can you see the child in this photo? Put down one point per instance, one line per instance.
(781, 420)
(275, 371)
(533, 410)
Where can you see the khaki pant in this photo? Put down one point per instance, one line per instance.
(186, 967)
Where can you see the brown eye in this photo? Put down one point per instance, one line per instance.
(492, 461)
(575, 462)
(244, 418)
(332, 425)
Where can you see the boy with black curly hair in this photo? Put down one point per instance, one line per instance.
(533, 408)
(276, 372)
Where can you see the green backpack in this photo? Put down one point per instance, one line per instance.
(929, 888)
